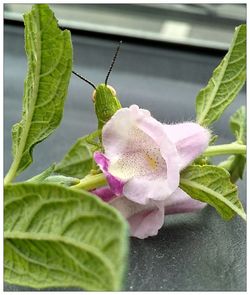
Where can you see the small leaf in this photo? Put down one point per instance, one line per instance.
(63, 180)
(78, 161)
(49, 54)
(211, 184)
(46, 173)
(235, 164)
(60, 237)
(238, 125)
(213, 139)
(226, 82)
(201, 160)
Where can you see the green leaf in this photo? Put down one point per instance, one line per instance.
(211, 184)
(238, 125)
(226, 82)
(46, 176)
(42, 176)
(213, 139)
(63, 180)
(49, 54)
(235, 164)
(60, 237)
(78, 161)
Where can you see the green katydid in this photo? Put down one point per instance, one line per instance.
(104, 96)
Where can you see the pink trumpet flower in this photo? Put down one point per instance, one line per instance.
(142, 163)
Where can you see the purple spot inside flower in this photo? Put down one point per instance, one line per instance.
(104, 193)
(115, 183)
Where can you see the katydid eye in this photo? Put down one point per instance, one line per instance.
(93, 95)
(112, 90)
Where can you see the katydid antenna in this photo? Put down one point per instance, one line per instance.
(113, 62)
(109, 71)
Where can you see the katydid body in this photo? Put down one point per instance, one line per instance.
(106, 103)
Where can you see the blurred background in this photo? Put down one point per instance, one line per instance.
(203, 25)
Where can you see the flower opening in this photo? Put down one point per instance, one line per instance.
(142, 162)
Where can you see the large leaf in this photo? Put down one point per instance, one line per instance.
(211, 184)
(49, 54)
(56, 236)
(235, 164)
(226, 82)
(78, 161)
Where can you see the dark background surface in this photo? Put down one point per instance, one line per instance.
(192, 252)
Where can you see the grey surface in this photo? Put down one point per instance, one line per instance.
(197, 251)
(205, 25)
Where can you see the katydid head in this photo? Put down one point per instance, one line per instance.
(103, 89)
(104, 96)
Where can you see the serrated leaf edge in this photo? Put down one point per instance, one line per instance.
(215, 194)
(202, 116)
(57, 239)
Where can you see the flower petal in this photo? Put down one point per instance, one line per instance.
(144, 221)
(115, 183)
(148, 223)
(104, 193)
(160, 185)
(180, 202)
(119, 130)
(141, 190)
(190, 139)
(141, 155)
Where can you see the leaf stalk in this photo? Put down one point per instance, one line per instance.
(225, 149)
(91, 182)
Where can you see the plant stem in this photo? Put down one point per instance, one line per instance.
(91, 182)
(224, 149)
(11, 173)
